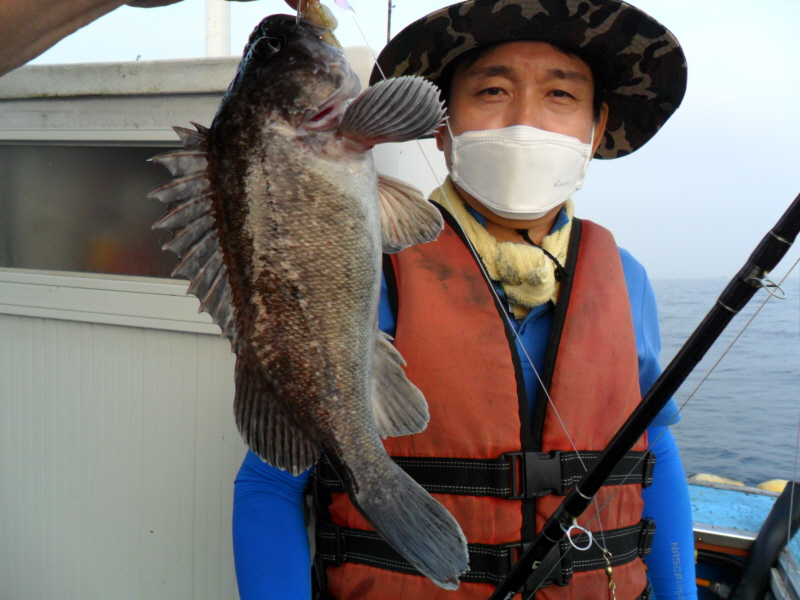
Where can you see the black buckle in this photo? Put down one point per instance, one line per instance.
(646, 537)
(554, 563)
(540, 474)
(649, 467)
(337, 545)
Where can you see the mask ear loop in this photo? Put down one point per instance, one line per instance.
(589, 155)
(452, 145)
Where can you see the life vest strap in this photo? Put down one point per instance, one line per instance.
(490, 563)
(514, 475)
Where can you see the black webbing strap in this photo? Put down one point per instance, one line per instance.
(515, 475)
(490, 564)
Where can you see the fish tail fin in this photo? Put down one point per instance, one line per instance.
(416, 525)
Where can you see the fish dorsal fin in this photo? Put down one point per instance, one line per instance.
(193, 139)
(190, 218)
(407, 218)
(399, 407)
(395, 110)
(266, 426)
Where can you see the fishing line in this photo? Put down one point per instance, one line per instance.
(480, 262)
(536, 372)
(538, 377)
(702, 381)
(496, 296)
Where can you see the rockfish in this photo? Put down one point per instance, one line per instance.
(279, 220)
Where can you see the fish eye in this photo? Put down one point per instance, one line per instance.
(274, 44)
(267, 46)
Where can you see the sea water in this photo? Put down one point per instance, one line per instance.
(743, 421)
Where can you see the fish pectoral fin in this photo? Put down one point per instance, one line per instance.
(395, 110)
(267, 427)
(190, 218)
(399, 407)
(407, 218)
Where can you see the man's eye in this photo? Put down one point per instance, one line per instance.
(562, 94)
(494, 91)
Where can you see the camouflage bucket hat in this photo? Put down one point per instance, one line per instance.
(641, 64)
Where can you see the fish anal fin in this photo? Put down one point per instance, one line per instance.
(399, 407)
(395, 110)
(407, 218)
(267, 427)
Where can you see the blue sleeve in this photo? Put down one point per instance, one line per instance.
(270, 543)
(670, 566)
(386, 318)
(648, 333)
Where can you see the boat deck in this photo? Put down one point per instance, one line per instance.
(728, 518)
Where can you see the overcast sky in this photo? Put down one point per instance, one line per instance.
(693, 202)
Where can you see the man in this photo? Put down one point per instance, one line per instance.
(529, 332)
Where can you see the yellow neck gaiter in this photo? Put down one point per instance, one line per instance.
(525, 272)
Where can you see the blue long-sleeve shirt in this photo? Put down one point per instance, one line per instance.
(270, 540)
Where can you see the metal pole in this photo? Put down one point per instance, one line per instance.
(218, 28)
(735, 296)
(389, 23)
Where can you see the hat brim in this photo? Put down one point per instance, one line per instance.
(643, 65)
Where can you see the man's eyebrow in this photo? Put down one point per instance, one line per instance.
(490, 71)
(568, 75)
(506, 71)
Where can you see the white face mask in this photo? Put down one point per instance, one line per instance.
(519, 172)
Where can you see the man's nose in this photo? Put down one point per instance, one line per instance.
(524, 111)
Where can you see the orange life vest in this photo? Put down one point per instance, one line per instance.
(461, 353)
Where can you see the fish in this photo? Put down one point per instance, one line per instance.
(279, 220)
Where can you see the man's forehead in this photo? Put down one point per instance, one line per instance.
(505, 59)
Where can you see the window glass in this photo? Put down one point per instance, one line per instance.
(80, 208)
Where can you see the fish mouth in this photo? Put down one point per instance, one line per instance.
(329, 113)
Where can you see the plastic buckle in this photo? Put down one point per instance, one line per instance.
(337, 544)
(543, 474)
(516, 468)
(515, 551)
(540, 474)
(648, 468)
(646, 537)
(554, 563)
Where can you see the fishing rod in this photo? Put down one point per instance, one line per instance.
(734, 297)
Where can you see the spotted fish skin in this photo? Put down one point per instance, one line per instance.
(281, 220)
(300, 232)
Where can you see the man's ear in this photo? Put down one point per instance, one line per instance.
(600, 127)
(438, 135)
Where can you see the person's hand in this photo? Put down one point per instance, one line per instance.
(318, 13)
(151, 3)
(312, 10)
(155, 3)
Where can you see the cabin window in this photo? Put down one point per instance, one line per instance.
(83, 209)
